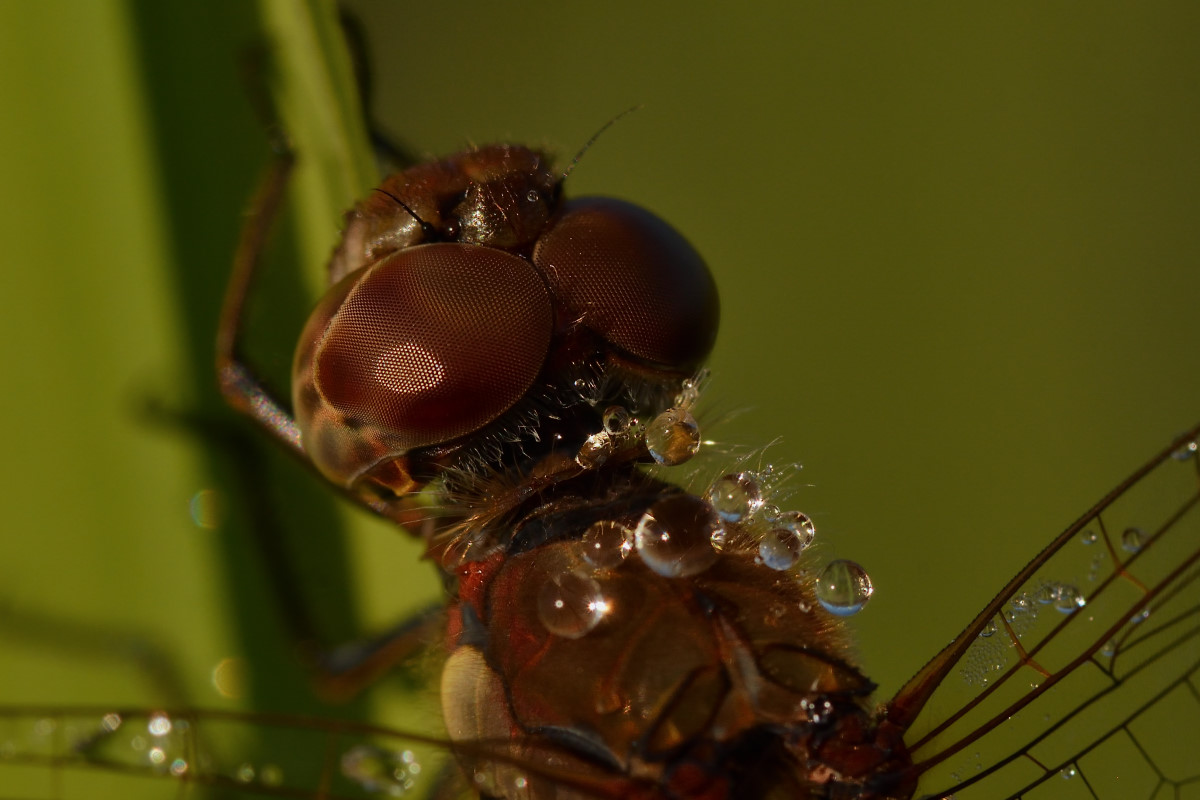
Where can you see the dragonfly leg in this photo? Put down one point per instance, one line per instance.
(242, 389)
(390, 154)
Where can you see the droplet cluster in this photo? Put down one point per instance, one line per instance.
(158, 743)
(670, 438)
(681, 535)
(991, 654)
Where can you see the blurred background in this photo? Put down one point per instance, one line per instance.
(956, 248)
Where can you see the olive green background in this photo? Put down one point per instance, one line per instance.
(956, 246)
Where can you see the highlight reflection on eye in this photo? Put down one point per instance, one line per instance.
(408, 368)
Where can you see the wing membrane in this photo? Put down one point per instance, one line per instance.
(75, 752)
(1079, 661)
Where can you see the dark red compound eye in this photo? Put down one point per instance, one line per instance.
(428, 345)
(630, 277)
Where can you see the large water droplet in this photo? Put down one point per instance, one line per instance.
(1068, 599)
(735, 497)
(675, 536)
(780, 548)
(1132, 540)
(594, 451)
(673, 437)
(606, 544)
(843, 588)
(571, 604)
(617, 420)
(799, 524)
(381, 771)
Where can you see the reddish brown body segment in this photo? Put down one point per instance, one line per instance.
(616, 632)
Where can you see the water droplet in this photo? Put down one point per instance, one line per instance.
(381, 771)
(675, 536)
(205, 509)
(1185, 451)
(594, 451)
(159, 725)
(1140, 617)
(735, 497)
(673, 437)
(244, 773)
(799, 524)
(1069, 772)
(606, 544)
(1088, 537)
(617, 419)
(780, 548)
(689, 392)
(571, 604)
(1068, 599)
(1132, 540)
(843, 588)
(1109, 649)
(719, 539)
(989, 629)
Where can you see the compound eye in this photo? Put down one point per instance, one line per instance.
(428, 345)
(632, 278)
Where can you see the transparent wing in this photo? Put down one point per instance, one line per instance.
(1082, 678)
(97, 752)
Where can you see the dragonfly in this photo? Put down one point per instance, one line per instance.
(1055, 586)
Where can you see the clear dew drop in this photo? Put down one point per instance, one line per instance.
(1068, 773)
(780, 548)
(1132, 540)
(594, 451)
(1185, 451)
(675, 536)
(617, 420)
(380, 771)
(798, 524)
(1068, 599)
(689, 392)
(571, 604)
(719, 539)
(843, 588)
(673, 437)
(159, 725)
(1088, 536)
(606, 544)
(735, 497)
(989, 630)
